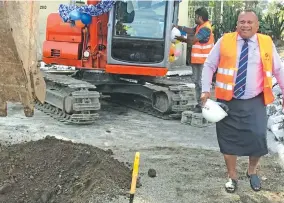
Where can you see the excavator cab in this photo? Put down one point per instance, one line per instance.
(139, 32)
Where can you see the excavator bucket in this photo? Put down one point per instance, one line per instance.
(20, 78)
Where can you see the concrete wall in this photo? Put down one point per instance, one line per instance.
(183, 13)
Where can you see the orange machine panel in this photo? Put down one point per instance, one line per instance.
(57, 30)
(136, 70)
(64, 50)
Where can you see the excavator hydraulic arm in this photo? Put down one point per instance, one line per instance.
(20, 77)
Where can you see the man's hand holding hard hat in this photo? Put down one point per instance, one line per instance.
(212, 111)
(204, 96)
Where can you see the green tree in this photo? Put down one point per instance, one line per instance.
(272, 20)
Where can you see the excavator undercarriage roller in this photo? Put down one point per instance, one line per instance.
(161, 101)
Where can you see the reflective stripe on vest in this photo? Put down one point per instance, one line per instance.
(268, 74)
(225, 71)
(227, 66)
(203, 46)
(200, 55)
(224, 86)
(200, 52)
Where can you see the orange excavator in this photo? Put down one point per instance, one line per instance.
(121, 54)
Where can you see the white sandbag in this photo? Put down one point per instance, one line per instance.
(274, 120)
(276, 127)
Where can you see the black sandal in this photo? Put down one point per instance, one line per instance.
(255, 182)
(231, 185)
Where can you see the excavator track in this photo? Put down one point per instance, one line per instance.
(69, 100)
(172, 98)
(181, 97)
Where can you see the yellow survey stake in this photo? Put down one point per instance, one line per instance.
(135, 172)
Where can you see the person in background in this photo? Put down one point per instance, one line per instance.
(245, 62)
(202, 40)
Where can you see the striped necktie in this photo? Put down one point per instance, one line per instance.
(240, 86)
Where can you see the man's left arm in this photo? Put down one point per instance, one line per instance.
(278, 70)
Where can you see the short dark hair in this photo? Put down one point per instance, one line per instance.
(203, 13)
(249, 10)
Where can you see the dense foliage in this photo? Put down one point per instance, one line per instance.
(225, 14)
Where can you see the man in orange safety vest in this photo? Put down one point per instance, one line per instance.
(245, 62)
(202, 42)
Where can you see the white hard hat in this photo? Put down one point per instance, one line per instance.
(213, 112)
(175, 32)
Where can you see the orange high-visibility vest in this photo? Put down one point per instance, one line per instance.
(200, 51)
(227, 66)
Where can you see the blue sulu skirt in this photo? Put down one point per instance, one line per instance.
(243, 132)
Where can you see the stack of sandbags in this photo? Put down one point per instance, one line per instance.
(275, 113)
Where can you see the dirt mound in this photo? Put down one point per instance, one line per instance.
(56, 171)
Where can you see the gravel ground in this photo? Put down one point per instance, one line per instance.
(186, 159)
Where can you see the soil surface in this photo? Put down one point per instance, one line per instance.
(51, 170)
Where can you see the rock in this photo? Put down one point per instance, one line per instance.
(274, 120)
(193, 119)
(275, 111)
(276, 127)
(138, 184)
(152, 173)
(76, 177)
(59, 189)
(271, 109)
(110, 152)
(45, 196)
(279, 135)
(5, 188)
(263, 178)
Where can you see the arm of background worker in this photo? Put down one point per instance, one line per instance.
(203, 34)
(278, 69)
(188, 30)
(210, 67)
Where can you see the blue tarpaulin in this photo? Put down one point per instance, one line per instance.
(94, 10)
